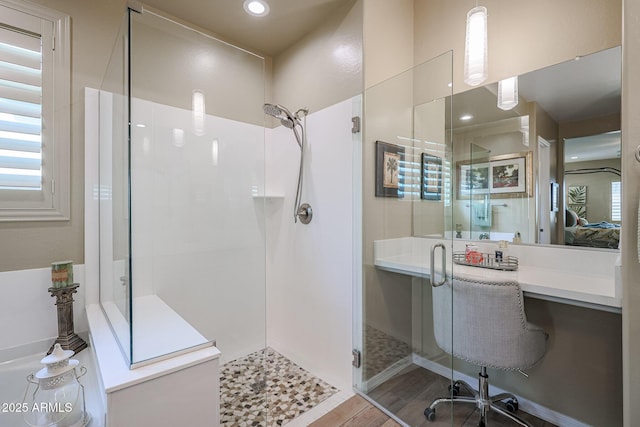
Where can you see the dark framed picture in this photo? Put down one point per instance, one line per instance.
(431, 182)
(389, 165)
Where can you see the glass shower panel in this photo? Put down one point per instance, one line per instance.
(407, 207)
(197, 161)
(114, 193)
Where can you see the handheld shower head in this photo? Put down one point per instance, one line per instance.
(288, 123)
(287, 119)
(295, 123)
(273, 110)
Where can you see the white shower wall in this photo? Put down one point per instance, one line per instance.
(310, 267)
(198, 238)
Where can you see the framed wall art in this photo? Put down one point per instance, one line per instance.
(389, 164)
(507, 175)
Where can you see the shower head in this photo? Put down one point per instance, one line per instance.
(288, 123)
(287, 119)
(273, 110)
(278, 111)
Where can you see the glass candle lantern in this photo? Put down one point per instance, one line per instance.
(58, 396)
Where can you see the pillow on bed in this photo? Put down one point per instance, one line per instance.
(582, 221)
(570, 218)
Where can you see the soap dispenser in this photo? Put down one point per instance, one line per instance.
(502, 252)
(517, 238)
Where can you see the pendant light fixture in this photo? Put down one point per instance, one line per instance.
(475, 49)
(508, 93)
(198, 112)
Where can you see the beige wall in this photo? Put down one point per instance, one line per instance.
(231, 80)
(324, 67)
(388, 113)
(522, 36)
(94, 25)
(388, 39)
(542, 125)
(631, 190)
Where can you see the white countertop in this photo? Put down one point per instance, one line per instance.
(115, 373)
(579, 277)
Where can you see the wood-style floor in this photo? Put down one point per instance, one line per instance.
(407, 395)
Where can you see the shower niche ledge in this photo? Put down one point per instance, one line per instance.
(269, 198)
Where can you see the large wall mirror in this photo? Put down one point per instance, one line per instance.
(546, 171)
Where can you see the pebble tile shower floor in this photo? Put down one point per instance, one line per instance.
(266, 389)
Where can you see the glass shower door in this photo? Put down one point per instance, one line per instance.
(407, 184)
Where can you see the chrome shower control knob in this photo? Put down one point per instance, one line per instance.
(305, 213)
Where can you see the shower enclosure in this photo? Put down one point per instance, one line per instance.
(407, 191)
(182, 244)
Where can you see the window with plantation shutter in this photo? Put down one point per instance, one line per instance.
(34, 113)
(616, 201)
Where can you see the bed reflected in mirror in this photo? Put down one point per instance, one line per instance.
(592, 182)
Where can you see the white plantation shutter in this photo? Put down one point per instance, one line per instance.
(20, 109)
(34, 113)
(616, 201)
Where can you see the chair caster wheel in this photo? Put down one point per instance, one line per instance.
(454, 390)
(511, 405)
(430, 414)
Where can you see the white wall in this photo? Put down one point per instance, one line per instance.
(309, 267)
(27, 309)
(197, 232)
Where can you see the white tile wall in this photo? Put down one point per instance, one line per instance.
(309, 267)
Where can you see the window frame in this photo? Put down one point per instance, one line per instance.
(618, 217)
(54, 203)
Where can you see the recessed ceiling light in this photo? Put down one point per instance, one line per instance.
(256, 7)
(466, 117)
(574, 157)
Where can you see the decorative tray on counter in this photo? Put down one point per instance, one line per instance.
(485, 260)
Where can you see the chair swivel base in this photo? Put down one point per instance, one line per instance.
(481, 400)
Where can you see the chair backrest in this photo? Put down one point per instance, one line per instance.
(484, 323)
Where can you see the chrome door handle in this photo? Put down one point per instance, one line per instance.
(444, 265)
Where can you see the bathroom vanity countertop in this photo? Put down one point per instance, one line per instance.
(582, 281)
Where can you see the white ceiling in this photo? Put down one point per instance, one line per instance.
(593, 147)
(287, 21)
(574, 90)
(580, 89)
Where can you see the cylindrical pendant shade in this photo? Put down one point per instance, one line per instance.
(508, 93)
(475, 51)
(198, 112)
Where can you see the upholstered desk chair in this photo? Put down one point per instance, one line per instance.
(484, 323)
